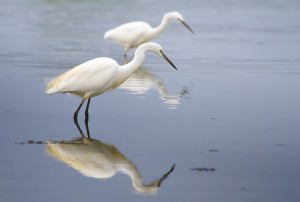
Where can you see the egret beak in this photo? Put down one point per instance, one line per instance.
(185, 24)
(167, 59)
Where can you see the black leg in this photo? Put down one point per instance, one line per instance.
(76, 120)
(87, 127)
(87, 107)
(77, 110)
(87, 118)
(78, 127)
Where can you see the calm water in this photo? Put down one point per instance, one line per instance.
(228, 118)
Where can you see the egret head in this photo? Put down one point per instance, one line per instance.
(177, 16)
(157, 49)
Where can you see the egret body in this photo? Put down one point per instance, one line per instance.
(132, 34)
(99, 75)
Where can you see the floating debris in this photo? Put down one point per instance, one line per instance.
(30, 142)
(20, 143)
(213, 150)
(204, 169)
(243, 188)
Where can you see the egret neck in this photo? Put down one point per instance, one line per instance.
(139, 56)
(161, 27)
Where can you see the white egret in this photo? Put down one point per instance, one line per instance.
(96, 159)
(132, 34)
(99, 75)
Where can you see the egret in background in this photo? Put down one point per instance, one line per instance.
(132, 34)
(99, 75)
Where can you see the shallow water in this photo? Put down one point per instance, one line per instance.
(228, 118)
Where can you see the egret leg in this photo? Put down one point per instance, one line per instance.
(87, 127)
(87, 107)
(87, 118)
(78, 127)
(79, 107)
(76, 120)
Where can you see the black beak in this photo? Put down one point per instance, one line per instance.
(186, 25)
(167, 59)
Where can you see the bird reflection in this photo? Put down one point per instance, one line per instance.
(142, 81)
(96, 159)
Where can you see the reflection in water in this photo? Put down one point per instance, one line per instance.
(141, 81)
(96, 159)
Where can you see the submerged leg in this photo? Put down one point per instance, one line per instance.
(87, 118)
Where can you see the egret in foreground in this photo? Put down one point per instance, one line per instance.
(99, 75)
(132, 34)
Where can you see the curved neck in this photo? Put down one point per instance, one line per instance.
(139, 57)
(158, 29)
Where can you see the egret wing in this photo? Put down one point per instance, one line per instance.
(130, 33)
(93, 76)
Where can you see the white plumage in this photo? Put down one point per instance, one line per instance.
(132, 34)
(99, 75)
(86, 80)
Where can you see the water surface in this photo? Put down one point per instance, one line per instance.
(228, 118)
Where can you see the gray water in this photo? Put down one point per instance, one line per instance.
(228, 118)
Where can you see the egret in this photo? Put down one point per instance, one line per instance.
(132, 34)
(99, 75)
